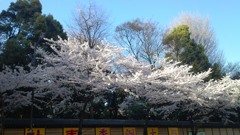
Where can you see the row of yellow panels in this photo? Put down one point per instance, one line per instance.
(121, 131)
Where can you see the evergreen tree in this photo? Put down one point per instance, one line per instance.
(22, 25)
(194, 55)
(181, 47)
(176, 41)
(216, 72)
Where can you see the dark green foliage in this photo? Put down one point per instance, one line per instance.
(182, 48)
(15, 54)
(22, 25)
(194, 55)
(216, 72)
(137, 111)
(176, 41)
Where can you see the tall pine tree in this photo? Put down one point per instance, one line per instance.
(23, 25)
(181, 47)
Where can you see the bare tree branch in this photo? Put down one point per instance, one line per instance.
(89, 25)
(143, 39)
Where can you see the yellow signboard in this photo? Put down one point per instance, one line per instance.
(35, 131)
(152, 131)
(173, 131)
(103, 131)
(70, 131)
(129, 131)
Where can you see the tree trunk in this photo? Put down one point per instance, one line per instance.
(1, 115)
(193, 129)
(81, 116)
(145, 127)
(146, 122)
(1, 124)
(31, 114)
(115, 106)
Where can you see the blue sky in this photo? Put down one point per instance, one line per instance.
(224, 15)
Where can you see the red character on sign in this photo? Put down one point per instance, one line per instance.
(129, 132)
(153, 132)
(38, 133)
(103, 132)
(71, 132)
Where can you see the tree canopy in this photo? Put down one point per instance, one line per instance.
(23, 26)
(180, 47)
(75, 72)
(85, 77)
(202, 32)
(143, 39)
(89, 25)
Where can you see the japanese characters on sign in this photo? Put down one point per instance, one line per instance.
(152, 131)
(70, 131)
(35, 131)
(129, 131)
(103, 131)
(173, 131)
(106, 131)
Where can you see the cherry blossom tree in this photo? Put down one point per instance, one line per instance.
(75, 74)
(77, 70)
(21, 89)
(79, 73)
(173, 91)
(223, 97)
(169, 83)
(16, 87)
(180, 90)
